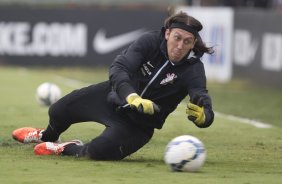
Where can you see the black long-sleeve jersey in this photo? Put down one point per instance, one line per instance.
(145, 69)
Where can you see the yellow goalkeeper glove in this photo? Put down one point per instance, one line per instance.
(141, 105)
(196, 111)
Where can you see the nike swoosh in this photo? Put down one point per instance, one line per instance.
(103, 45)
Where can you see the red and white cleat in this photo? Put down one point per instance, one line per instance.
(28, 135)
(51, 148)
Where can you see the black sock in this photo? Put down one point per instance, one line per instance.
(50, 135)
(73, 150)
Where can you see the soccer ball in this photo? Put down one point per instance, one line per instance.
(47, 94)
(185, 153)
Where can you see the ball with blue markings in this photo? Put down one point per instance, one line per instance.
(47, 94)
(185, 153)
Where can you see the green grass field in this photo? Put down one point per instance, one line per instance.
(237, 153)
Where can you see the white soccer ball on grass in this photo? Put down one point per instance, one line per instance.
(47, 94)
(185, 153)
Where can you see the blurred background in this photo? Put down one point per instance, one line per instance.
(247, 34)
(72, 43)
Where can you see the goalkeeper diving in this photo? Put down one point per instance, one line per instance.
(146, 83)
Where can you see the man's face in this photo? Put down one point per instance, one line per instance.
(179, 43)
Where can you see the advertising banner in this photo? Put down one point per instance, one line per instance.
(217, 32)
(62, 36)
(258, 46)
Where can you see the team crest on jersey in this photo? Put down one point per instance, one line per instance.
(169, 79)
(146, 68)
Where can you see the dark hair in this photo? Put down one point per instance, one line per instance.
(183, 18)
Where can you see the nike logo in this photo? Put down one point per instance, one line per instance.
(103, 45)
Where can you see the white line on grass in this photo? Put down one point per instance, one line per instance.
(255, 123)
(78, 84)
(71, 82)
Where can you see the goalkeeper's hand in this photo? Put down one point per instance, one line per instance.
(196, 111)
(144, 106)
